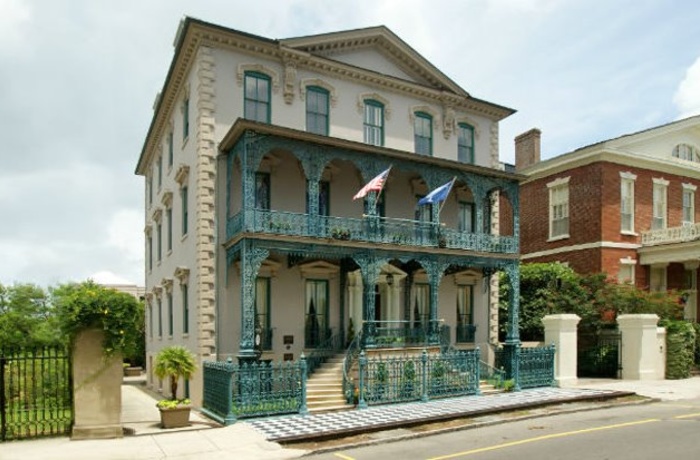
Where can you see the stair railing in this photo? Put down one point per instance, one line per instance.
(352, 354)
(320, 354)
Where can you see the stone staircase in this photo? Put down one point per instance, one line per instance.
(324, 388)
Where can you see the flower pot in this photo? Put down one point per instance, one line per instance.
(176, 417)
(132, 371)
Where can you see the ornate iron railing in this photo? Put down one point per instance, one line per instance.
(402, 333)
(536, 367)
(671, 235)
(465, 333)
(413, 378)
(323, 351)
(494, 376)
(35, 393)
(253, 389)
(375, 229)
(349, 362)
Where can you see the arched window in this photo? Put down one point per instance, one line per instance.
(686, 152)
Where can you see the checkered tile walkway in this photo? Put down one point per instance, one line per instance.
(296, 427)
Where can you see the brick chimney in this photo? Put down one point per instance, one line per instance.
(527, 149)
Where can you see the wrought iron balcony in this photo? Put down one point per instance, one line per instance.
(372, 229)
(671, 235)
(465, 333)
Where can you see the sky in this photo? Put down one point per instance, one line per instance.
(78, 79)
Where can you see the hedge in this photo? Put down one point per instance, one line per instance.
(680, 348)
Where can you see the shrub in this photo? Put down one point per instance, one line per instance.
(680, 348)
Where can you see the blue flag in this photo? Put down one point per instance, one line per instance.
(437, 195)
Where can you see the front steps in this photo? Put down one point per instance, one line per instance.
(324, 388)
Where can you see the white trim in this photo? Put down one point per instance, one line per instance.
(660, 181)
(690, 187)
(374, 96)
(332, 93)
(559, 181)
(628, 175)
(581, 247)
(260, 68)
(628, 261)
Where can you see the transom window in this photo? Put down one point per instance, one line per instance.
(317, 110)
(257, 97)
(686, 152)
(559, 208)
(374, 122)
(423, 133)
(465, 143)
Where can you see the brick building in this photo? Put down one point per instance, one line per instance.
(624, 206)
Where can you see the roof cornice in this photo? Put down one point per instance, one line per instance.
(194, 32)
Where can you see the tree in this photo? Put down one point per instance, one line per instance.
(27, 317)
(174, 362)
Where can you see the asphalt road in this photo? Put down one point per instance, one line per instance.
(661, 430)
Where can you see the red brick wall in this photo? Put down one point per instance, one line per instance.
(505, 215)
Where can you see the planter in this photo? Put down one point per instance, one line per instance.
(176, 417)
(133, 371)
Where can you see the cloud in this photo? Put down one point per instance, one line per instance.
(687, 97)
(15, 15)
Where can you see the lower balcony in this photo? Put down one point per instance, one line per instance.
(671, 235)
(372, 229)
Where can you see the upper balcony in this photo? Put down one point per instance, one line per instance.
(368, 229)
(289, 183)
(671, 235)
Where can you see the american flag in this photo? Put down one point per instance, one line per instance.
(375, 185)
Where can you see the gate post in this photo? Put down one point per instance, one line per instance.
(640, 352)
(561, 330)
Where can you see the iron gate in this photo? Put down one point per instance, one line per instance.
(599, 355)
(35, 393)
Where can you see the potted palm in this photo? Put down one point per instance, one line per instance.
(174, 362)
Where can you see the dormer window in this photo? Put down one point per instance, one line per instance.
(686, 152)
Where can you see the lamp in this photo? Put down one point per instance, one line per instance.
(389, 279)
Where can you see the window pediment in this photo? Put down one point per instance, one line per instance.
(306, 82)
(466, 277)
(182, 174)
(274, 76)
(376, 97)
(318, 268)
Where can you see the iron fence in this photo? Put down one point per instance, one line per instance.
(413, 378)
(536, 367)
(35, 393)
(254, 389)
(599, 354)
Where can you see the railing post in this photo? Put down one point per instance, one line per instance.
(230, 417)
(477, 369)
(303, 409)
(361, 403)
(424, 365)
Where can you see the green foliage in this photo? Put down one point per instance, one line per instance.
(172, 403)
(696, 326)
(508, 385)
(88, 305)
(174, 362)
(551, 288)
(680, 348)
(27, 317)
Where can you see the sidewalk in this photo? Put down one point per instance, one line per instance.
(253, 439)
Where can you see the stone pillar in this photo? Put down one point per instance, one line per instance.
(561, 330)
(661, 347)
(640, 352)
(97, 391)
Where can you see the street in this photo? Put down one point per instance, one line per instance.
(647, 431)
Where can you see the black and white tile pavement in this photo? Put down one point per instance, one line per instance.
(296, 427)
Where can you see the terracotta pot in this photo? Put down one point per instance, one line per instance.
(175, 418)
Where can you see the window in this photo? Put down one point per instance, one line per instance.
(186, 118)
(374, 122)
(317, 110)
(657, 277)
(149, 186)
(316, 323)
(627, 202)
(150, 252)
(169, 218)
(559, 208)
(421, 305)
(423, 133)
(185, 208)
(659, 204)
(150, 319)
(262, 311)
(185, 309)
(324, 194)
(160, 317)
(159, 241)
(465, 143)
(686, 152)
(170, 313)
(688, 204)
(257, 97)
(262, 191)
(160, 172)
(466, 217)
(171, 153)
(465, 301)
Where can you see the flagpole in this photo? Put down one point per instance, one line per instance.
(376, 199)
(445, 200)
